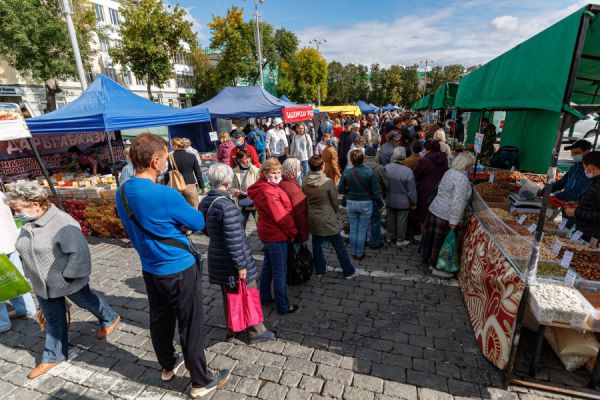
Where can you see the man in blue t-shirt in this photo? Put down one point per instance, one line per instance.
(150, 212)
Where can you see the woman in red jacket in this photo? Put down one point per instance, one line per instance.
(275, 228)
(291, 170)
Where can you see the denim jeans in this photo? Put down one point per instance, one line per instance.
(23, 305)
(56, 347)
(262, 157)
(304, 167)
(375, 239)
(274, 269)
(340, 249)
(359, 215)
(245, 215)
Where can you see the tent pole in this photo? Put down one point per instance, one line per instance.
(112, 157)
(45, 171)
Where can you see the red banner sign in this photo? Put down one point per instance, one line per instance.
(295, 114)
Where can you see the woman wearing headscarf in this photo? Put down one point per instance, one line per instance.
(230, 257)
(275, 228)
(58, 264)
(446, 210)
(289, 183)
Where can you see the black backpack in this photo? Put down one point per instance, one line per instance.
(300, 265)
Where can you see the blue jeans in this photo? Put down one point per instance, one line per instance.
(262, 157)
(359, 215)
(304, 167)
(375, 239)
(245, 215)
(340, 250)
(23, 305)
(56, 347)
(274, 269)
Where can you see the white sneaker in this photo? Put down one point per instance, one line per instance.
(402, 243)
(354, 275)
(442, 274)
(219, 380)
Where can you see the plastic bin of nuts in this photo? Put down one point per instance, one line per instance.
(552, 301)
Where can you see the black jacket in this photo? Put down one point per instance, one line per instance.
(188, 166)
(587, 214)
(229, 248)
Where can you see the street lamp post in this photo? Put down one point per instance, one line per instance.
(65, 7)
(426, 62)
(258, 42)
(317, 42)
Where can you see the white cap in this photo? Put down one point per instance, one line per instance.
(277, 121)
(355, 125)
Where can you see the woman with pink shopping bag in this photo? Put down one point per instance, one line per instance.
(230, 260)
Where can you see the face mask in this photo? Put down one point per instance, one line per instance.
(244, 166)
(24, 218)
(589, 175)
(273, 180)
(239, 144)
(578, 158)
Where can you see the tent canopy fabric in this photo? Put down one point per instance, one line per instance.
(424, 103)
(348, 109)
(445, 96)
(390, 107)
(365, 108)
(107, 106)
(534, 74)
(284, 98)
(246, 102)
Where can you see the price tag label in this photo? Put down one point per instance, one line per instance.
(549, 213)
(213, 136)
(570, 277)
(556, 247)
(532, 228)
(577, 235)
(522, 219)
(566, 259)
(492, 177)
(562, 224)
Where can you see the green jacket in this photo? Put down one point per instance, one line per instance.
(359, 184)
(322, 199)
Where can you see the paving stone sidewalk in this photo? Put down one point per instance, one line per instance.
(392, 333)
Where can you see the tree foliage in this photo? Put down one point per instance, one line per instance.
(151, 36)
(205, 76)
(34, 40)
(303, 76)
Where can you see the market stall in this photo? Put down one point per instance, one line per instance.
(92, 124)
(517, 258)
(346, 110)
(366, 108)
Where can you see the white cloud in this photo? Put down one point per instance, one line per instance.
(506, 22)
(448, 36)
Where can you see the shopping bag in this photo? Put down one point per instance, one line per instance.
(448, 256)
(12, 283)
(300, 264)
(243, 308)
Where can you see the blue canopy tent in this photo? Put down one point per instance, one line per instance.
(374, 106)
(245, 102)
(365, 108)
(283, 97)
(389, 107)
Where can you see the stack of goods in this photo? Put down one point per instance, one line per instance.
(96, 217)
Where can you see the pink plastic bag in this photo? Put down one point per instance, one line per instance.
(244, 308)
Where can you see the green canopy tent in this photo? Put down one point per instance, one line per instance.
(543, 84)
(445, 96)
(424, 103)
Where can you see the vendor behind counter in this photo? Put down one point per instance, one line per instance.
(572, 185)
(87, 163)
(587, 212)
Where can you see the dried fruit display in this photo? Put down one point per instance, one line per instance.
(554, 270)
(556, 302)
(586, 264)
(502, 189)
(502, 213)
(103, 220)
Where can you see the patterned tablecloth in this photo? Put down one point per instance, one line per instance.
(492, 289)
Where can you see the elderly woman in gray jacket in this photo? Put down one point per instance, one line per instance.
(56, 259)
(446, 210)
(401, 196)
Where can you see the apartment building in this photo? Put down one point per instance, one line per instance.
(176, 92)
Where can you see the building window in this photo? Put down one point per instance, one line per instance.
(104, 46)
(185, 81)
(99, 10)
(90, 76)
(126, 78)
(170, 102)
(110, 72)
(140, 81)
(114, 16)
(182, 58)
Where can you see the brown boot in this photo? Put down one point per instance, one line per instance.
(104, 332)
(41, 369)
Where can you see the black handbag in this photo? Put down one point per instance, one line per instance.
(300, 264)
(171, 242)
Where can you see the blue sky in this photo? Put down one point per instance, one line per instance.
(399, 31)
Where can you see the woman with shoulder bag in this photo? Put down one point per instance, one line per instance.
(362, 194)
(187, 165)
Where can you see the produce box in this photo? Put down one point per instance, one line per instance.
(552, 301)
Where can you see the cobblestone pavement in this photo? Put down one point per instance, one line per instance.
(391, 333)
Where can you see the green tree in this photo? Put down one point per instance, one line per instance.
(205, 76)
(286, 44)
(453, 72)
(335, 83)
(151, 36)
(472, 68)
(410, 86)
(304, 76)
(34, 40)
